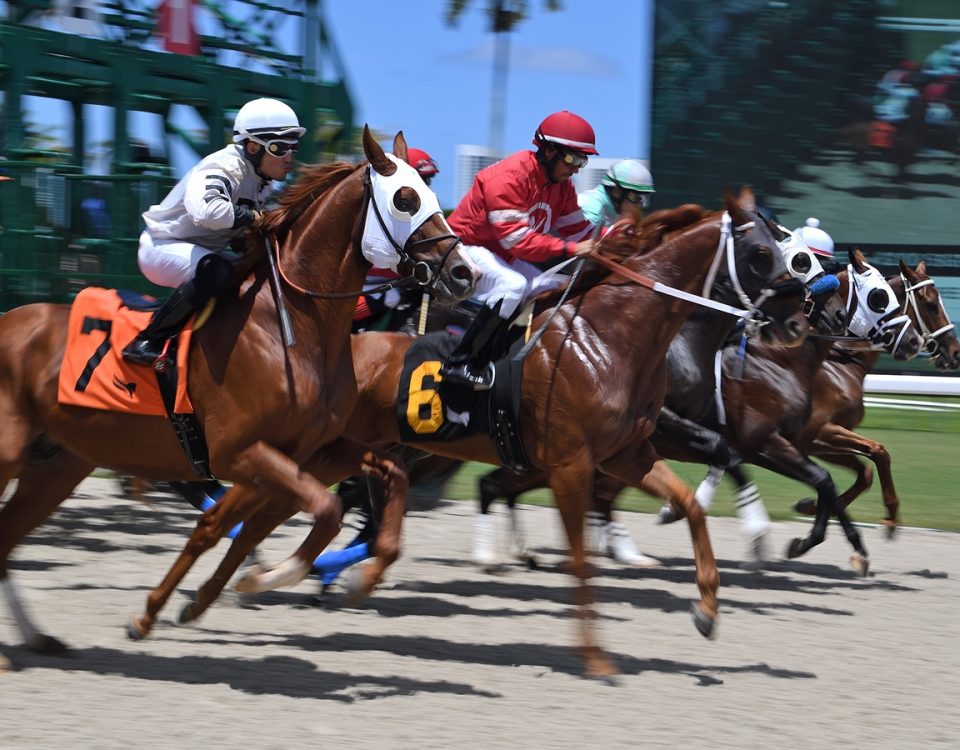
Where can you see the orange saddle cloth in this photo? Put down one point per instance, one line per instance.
(93, 372)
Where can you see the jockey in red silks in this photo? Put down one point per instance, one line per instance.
(508, 221)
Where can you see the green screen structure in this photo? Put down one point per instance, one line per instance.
(843, 110)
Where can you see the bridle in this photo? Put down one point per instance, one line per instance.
(930, 342)
(881, 330)
(416, 273)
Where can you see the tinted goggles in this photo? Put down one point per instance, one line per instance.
(280, 148)
(633, 196)
(574, 158)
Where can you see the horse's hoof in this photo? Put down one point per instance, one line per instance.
(532, 562)
(355, 588)
(890, 528)
(136, 630)
(187, 614)
(756, 554)
(795, 549)
(860, 564)
(247, 582)
(48, 645)
(806, 507)
(667, 515)
(706, 625)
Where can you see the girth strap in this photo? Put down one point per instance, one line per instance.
(186, 426)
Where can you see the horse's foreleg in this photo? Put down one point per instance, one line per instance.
(41, 488)
(660, 481)
(255, 529)
(236, 505)
(332, 463)
(832, 438)
(392, 475)
(572, 485)
(781, 456)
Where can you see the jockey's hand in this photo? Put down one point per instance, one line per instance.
(584, 247)
(258, 217)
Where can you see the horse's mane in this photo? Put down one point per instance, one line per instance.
(312, 181)
(657, 225)
(654, 229)
(651, 232)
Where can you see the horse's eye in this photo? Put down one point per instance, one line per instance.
(406, 200)
(761, 262)
(877, 300)
(801, 263)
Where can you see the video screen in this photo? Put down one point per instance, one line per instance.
(847, 111)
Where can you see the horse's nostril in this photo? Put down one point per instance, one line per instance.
(461, 272)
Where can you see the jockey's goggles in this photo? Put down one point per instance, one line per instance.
(574, 158)
(277, 147)
(634, 196)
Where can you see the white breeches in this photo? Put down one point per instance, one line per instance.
(169, 262)
(511, 282)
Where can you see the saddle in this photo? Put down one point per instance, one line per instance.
(429, 410)
(94, 375)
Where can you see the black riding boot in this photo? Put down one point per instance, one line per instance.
(469, 364)
(214, 274)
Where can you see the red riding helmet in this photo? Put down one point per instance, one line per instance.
(421, 161)
(567, 130)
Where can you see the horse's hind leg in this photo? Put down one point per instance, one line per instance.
(835, 438)
(41, 488)
(235, 506)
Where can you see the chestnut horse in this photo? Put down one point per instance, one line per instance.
(273, 415)
(838, 394)
(592, 386)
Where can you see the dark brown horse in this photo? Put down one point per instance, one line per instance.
(592, 387)
(838, 394)
(272, 416)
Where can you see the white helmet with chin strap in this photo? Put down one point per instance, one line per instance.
(262, 120)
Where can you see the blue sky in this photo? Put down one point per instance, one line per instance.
(409, 70)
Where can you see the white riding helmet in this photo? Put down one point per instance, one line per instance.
(262, 117)
(629, 174)
(815, 238)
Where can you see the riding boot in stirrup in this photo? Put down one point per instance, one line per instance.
(464, 366)
(147, 347)
(213, 275)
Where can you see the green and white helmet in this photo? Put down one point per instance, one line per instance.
(629, 174)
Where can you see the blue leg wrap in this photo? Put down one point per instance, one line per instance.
(210, 499)
(329, 565)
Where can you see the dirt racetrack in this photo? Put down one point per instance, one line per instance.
(446, 656)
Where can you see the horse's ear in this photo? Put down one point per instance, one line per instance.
(857, 259)
(400, 146)
(747, 200)
(733, 207)
(921, 269)
(906, 270)
(374, 153)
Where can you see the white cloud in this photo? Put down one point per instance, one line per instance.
(566, 60)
